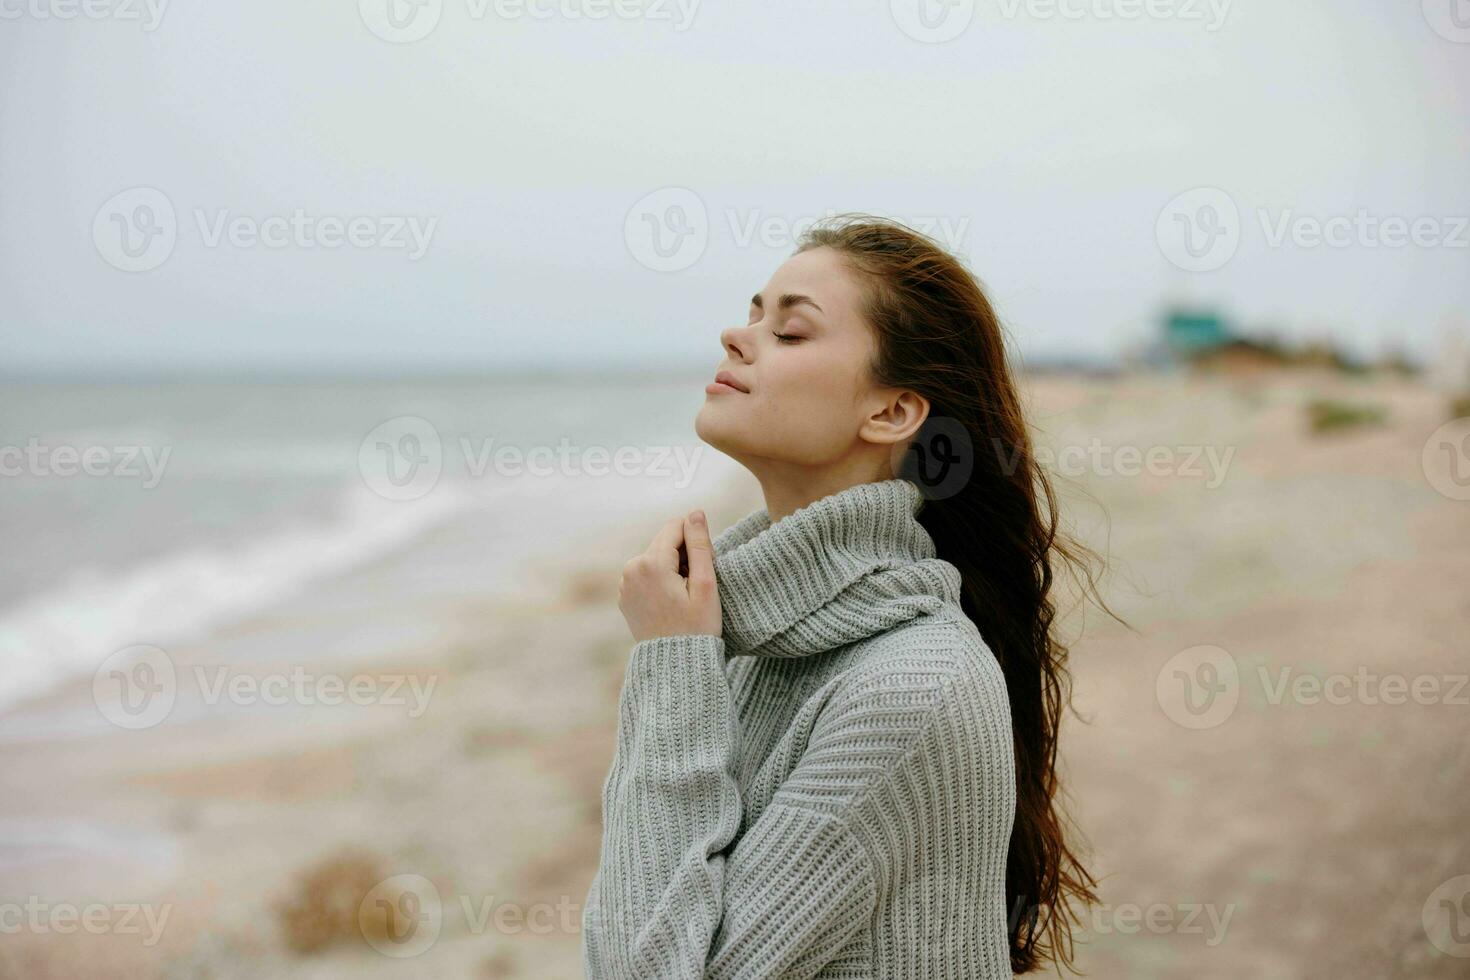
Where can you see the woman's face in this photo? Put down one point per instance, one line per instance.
(803, 359)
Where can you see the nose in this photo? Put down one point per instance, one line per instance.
(735, 340)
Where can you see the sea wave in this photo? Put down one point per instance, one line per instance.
(71, 629)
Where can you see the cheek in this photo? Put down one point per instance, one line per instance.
(800, 416)
(807, 381)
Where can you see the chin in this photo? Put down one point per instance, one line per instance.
(717, 432)
(706, 427)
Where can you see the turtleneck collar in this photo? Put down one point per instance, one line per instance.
(842, 568)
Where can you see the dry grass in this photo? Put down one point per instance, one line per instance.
(1331, 415)
(323, 909)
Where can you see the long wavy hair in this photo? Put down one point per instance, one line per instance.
(992, 511)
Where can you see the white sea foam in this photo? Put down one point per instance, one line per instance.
(70, 629)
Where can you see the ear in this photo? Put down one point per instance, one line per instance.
(897, 418)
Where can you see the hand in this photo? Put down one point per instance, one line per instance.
(670, 589)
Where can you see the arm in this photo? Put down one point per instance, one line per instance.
(669, 901)
(670, 805)
(672, 901)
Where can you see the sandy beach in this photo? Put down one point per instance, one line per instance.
(1298, 827)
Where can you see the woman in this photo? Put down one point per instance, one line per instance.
(837, 729)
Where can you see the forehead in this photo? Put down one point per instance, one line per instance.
(822, 274)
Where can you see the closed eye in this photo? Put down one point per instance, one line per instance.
(786, 338)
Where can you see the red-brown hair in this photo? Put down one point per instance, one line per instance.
(996, 519)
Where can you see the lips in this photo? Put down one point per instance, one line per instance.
(726, 378)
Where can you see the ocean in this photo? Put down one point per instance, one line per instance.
(159, 512)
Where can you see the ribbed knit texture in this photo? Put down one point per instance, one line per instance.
(825, 790)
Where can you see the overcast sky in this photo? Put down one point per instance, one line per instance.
(480, 185)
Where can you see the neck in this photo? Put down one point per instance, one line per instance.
(787, 487)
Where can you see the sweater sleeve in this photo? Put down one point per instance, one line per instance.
(671, 900)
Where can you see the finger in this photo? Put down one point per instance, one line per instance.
(665, 546)
(701, 552)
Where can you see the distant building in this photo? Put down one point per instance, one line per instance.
(1200, 339)
(1185, 334)
(1188, 333)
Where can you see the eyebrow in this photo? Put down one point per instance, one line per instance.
(786, 302)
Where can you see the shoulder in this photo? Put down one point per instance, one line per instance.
(939, 792)
(929, 693)
(939, 660)
(937, 693)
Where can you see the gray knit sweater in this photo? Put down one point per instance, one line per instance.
(826, 790)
